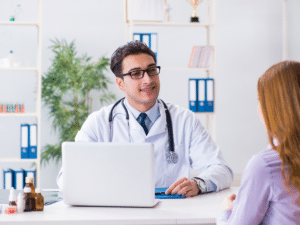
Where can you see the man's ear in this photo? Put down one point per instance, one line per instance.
(120, 83)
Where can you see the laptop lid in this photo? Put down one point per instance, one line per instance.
(108, 174)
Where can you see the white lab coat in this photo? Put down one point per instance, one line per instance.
(193, 144)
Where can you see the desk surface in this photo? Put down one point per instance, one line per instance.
(201, 209)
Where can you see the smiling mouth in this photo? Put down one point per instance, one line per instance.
(147, 89)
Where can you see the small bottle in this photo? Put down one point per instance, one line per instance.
(29, 183)
(12, 197)
(18, 13)
(39, 200)
(20, 204)
(29, 203)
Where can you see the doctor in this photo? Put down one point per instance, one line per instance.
(179, 139)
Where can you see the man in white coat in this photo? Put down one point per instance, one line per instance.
(137, 75)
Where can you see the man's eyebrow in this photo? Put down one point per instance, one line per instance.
(139, 68)
(152, 64)
(136, 68)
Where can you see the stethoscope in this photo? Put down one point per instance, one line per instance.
(171, 155)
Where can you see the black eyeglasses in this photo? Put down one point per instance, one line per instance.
(139, 74)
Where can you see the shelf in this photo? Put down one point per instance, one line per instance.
(10, 23)
(205, 113)
(18, 114)
(152, 23)
(21, 69)
(16, 159)
(184, 68)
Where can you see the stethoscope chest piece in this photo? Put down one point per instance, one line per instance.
(172, 157)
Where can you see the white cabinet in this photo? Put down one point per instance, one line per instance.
(37, 69)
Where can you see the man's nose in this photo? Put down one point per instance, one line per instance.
(146, 77)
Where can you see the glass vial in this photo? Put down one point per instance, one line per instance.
(29, 203)
(12, 197)
(20, 204)
(39, 200)
(29, 183)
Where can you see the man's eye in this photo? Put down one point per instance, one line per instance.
(152, 70)
(136, 73)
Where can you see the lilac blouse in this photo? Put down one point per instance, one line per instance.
(262, 198)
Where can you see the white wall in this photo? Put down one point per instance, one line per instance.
(249, 41)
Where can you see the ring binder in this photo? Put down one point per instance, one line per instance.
(33, 141)
(201, 95)
(19, 179)
(8, 179)
(24, 141)
(150, 39)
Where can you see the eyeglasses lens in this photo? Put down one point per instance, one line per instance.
(138, 74)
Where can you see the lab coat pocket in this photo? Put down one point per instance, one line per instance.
(174, 171)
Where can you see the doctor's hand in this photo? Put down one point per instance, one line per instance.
(184, 186)
(228, 202)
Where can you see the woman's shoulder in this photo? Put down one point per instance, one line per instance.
(270, 157)
(265, 163)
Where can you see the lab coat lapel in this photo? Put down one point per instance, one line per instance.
(137, 132)
(160, 124)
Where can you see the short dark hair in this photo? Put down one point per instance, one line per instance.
(131, 48)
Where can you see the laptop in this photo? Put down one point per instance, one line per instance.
(108, 174)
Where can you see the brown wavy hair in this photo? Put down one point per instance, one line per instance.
(279, 97)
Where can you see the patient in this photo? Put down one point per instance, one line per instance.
(270, 187)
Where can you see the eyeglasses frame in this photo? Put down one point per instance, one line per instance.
(146, 70)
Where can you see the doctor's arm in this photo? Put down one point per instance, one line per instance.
(206, 158)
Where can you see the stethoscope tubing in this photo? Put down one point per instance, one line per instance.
(168, 120)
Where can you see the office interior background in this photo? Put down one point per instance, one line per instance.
(248, 41)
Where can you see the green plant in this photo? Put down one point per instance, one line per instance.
(66, 91)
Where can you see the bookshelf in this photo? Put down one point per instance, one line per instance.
(209, 25)
(37, 70)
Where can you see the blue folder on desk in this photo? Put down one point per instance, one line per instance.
(159, 194)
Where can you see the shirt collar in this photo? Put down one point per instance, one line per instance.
(152, 113)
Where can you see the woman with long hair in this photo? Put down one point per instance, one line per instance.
(270, 187)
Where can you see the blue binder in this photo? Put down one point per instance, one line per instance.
(32, 141)
(202, 95)
(205, 95)
(31, 173)
(210, 95)
(19, 180)
(193, 95)
(8, 179)
(24, 141)
(150, 39)
(159, 194)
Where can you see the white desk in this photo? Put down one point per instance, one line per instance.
(201, 209)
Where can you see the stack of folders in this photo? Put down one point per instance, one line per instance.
(16, 178)
(150, 39)
(201, 57)
(28, 141)
(201, 95)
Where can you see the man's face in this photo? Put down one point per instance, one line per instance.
(142, 92)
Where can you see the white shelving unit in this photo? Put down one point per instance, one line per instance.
(38, 70)
(208, 25)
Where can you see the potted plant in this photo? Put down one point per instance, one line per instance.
(66, 91)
